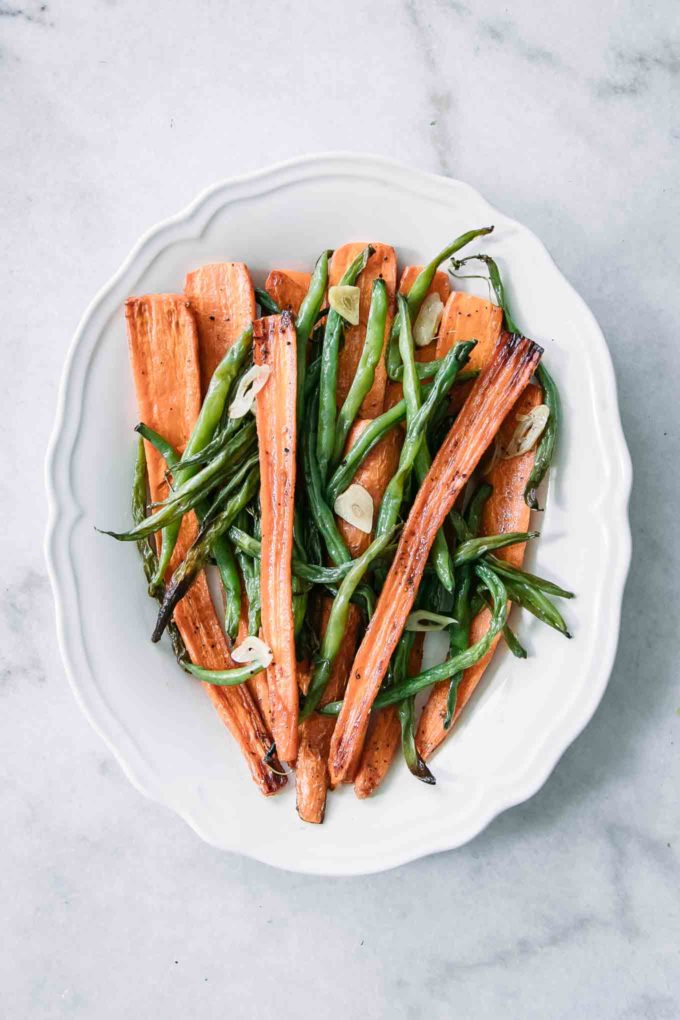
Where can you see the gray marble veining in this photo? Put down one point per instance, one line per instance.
(114, 114)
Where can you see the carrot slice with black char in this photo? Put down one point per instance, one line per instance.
(491, 399)
(505, 511)
(274, 345)
(163, 345)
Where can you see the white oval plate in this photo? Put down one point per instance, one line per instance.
(158, 723)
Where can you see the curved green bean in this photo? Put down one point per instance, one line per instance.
(337, 623)
(394, 493)
(538, 604)
(329, 370)
(266, 302)
(197, 556)
(147, 550)
(365, 373)
(304, 323)
(225, 677)
(319, 509)
(545, 451)
(419, 289)
(457, 663)
(473, 548)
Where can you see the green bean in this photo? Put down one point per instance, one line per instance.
(266, 302)
(221, 550)
(329, 370)
(250, 570)
(319, 509)
(426, 369)
(459, 632)
(337, 623)
(473, 548)
(312, 377)
(457, 663)
(365, 373)
(147, 550)
(513, 643)
(202, 432)
(439, 555)
(538, 604)
(310, 572)
(304, 323)
(225, 677)
(545, 450)
(419, 289)
(369, 438)
(515, 573)
(393, 496)
(406, 712)
(197, 556)
(194, 490)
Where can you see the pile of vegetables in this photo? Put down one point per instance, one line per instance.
(359, 461)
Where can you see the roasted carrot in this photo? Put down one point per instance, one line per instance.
(288, 288)
(383, 263)
(223, 301)
(163, 345)
(374, 474)
(504, 511)
(311, 769)
(274, 345)
(383, 737)
(494, 393)
(467, 317)
(441, 286)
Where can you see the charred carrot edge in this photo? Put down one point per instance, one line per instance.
(288, 288)
(441, 286)
(383, 737)
(311, 769)
(274, 345)
(223, 301)
(164, 353)
(467, 317)
(505, 511)
(383, 263)
(492, 397)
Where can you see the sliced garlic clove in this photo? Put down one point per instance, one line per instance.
(423, 621)
(253, 650)
(247, 390)
(355, 506)
(427, 322)
(529, 430)
(345, 301)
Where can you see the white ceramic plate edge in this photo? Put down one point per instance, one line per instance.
(64, 513)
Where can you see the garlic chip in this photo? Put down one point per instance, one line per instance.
(427, 323)
(253, 649)
(355, 506)
(423, 621)
(529, 430)
(345, 301)
(248, 388)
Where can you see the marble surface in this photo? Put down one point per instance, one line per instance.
(114, 114)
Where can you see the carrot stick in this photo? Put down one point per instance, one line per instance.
(383, 737)
(505, 510)
(311, 769)
(274, 345)
(164, 354)
(492, 397)
(383, 263)
(467, 317)
(223, 301)
(288, 288)
(440, 286)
